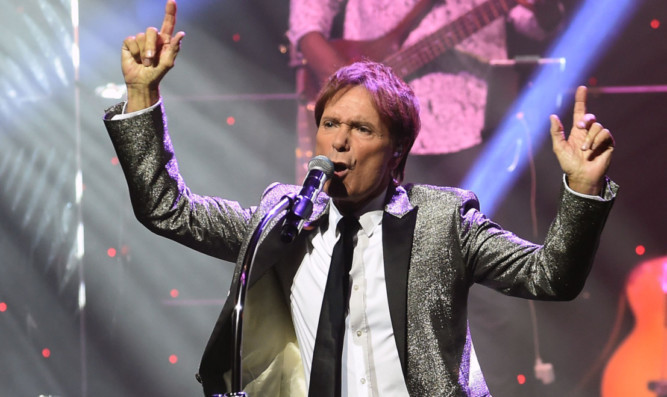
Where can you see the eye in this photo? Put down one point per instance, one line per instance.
(329, 123)
(364, 129)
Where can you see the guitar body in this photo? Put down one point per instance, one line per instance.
(641, 357)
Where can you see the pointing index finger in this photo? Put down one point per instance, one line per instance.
(169, 18)
(579, 103)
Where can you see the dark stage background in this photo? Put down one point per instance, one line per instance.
(92, 304)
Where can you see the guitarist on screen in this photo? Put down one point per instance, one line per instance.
(440, 47)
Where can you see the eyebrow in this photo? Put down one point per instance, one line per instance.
(356, 120)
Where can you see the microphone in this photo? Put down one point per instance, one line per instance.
(320, 168)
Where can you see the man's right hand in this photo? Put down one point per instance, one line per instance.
(147, 57)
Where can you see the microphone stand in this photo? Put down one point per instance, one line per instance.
(239, 300)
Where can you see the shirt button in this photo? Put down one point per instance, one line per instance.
(359, 333)
(363, 381)
(356, 288)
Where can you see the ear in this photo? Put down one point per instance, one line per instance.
(396, 156)
(398, 151)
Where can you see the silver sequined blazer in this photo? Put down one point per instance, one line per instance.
(436, 245)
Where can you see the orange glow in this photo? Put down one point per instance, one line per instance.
(640, 357)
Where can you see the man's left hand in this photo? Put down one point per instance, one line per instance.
(586, 153)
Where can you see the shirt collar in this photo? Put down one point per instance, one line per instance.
(370, 216)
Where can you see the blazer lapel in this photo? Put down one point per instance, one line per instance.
(397, 233)
(272, 250)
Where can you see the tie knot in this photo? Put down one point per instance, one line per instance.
(348, 225)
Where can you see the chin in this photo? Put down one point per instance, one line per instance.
(336, 189)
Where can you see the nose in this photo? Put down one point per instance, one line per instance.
(341, 139)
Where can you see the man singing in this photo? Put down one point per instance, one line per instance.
(371, 297)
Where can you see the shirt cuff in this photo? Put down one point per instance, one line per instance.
(124, 115)
(606, 191)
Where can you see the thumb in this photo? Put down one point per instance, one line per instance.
(171, 50)
(556, 130)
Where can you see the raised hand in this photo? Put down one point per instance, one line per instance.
(585, 154)
(147, 57)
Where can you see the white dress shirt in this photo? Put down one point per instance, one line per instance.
(371, 366)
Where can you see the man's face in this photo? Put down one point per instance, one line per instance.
(356, 140)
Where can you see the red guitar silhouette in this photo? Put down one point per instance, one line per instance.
(638, 367)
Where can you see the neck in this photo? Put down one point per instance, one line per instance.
(357, 208)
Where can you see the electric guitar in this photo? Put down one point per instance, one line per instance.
(638, 367)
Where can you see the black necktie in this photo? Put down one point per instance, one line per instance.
(325, 373)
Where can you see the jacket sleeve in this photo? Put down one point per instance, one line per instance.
(556, 270)
(160, 198)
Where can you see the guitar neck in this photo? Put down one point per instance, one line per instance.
(407, 61)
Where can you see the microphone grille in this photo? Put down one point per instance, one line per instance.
(321, 163)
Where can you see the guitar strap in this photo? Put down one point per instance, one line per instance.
(338, 26)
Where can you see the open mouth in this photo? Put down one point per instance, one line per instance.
(338, 167)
